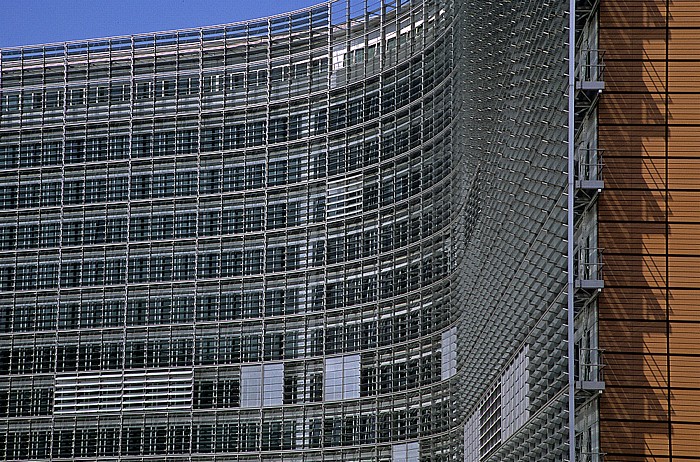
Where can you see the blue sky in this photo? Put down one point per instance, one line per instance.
(27, 22)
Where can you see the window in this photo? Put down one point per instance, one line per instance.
(277, 173)
(188, 86)
(142, 145)
(211, 139)
(237, 81)
(54, 99)
(75, 151)
(255, 133)
(144, 90)
(76, 97)
(165, 89)
(254, 219)
(341, 379)
(254, 176)
(164, 143)
(449, 353)
(10, 102)
(185, 225)
(252, 304)
(231, 308)
(183, 267)
(275, 259)
(405, 452)
(37, 100)
(73, 191)
(185, 183)
(234, 136)
(231, 263)
(278, 130)
(262, 385)
(273, 346)
(187, 141)
(276, 216)
(213, 83)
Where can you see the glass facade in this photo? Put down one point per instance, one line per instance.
(232, 240)
(333, 234)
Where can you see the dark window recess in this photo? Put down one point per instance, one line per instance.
(276, 216)
(277, 173)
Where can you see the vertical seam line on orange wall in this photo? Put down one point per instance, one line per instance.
(666, 217)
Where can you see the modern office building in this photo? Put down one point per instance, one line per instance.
(369, 230)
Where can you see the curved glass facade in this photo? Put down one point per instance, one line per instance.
(237, 241)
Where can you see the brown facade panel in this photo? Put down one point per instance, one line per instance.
(683, 240)
(683, 141)
(630, 205)
(617, 238)
(635, 370)
(684, 13)
(634, 270)
(682, 75)
(634, 404)
(627, 141)
(634, 76)
(684, 108)
(651, 145)
(633, 108)
(683, 206)
(635, 172)
(633, 44)
(620, 440)
(684, 43)
(685, 371)
(628, 458)
(685, 405)
(686, 440)
(683, 272)
(632, 303)
(646, 337)
(684, 304)
(684, 173)
(633, 13)
(683, 338)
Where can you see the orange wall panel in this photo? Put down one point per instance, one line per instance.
(633, 44)
(684, 173)
(634, 404)
(634, 76)
(684, 43)
(634, 270)
(683, 206)
(632, 303)
(682, 75)
(632, 13)
(649, 438)
(646, 238)
(635, 370)
(633, 108)
(684, 108)
(683, 271)
(683, 239)
(685, 371)
(629, 205)
(634, 172)
(686, 440)
(684, 304)
(685, 405)
(684, 13)
(683, 339)
(626, 141)
(648, 337)
(684, 141)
